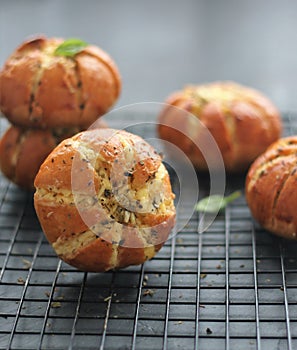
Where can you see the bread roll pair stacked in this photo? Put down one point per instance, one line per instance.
(103, 197)
(48, 97)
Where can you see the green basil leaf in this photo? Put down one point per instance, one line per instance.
(216, 203)
(70, 47)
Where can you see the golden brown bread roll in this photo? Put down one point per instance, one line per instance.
(104, 200)
(241, 120)
(271, 190)
(43, 90)
(22, 151)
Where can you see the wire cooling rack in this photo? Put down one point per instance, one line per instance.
(232, 287)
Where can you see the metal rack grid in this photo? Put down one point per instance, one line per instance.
(232, 287)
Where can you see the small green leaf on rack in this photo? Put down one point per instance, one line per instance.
(70, 47)
(216, 203)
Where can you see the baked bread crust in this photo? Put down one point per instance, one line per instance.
(104, 200)
(22, 151)
(241, 120)
(41, 90)
(271, 190)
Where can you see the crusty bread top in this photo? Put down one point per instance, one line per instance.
(226, 92)
(278, 152)
(41, 89)
(229, 95)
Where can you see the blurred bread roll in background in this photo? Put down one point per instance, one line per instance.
(242, 121)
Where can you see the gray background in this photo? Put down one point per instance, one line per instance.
(161, 45)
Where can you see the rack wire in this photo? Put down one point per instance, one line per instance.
(232, 287)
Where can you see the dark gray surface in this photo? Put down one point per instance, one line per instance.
(160, 46)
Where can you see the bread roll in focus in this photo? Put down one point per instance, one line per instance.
(104, 200)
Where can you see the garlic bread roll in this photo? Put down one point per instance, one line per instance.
(104, 200)
(271, 190)
(40, 89)
(241, 120)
